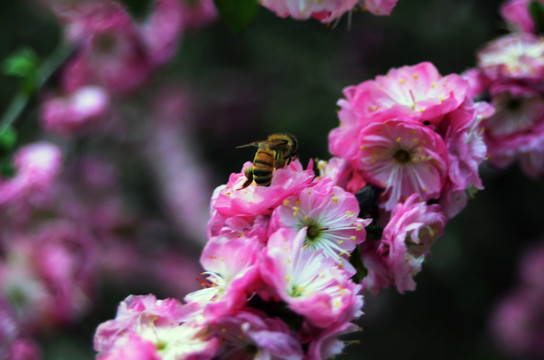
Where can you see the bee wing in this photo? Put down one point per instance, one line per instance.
(274, 144)
(255, 143)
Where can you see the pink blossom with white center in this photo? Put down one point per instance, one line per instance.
(232, 200)
(518, 110)
(516, 13)
(325, 11)
(307, 281)
(516, 131)
(134, 348)
(232, 274)
(67, 114)
(407, 238)
(169, 325)
(112, 52)
(37, 166)
(380, 7)
(418, 91)
(251, 335)
(330, 215)
(403, 157)
(517, 57)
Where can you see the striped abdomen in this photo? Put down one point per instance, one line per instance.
(263, 166)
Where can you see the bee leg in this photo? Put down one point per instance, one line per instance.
(249, 175)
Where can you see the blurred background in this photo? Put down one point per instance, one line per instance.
(283, 75)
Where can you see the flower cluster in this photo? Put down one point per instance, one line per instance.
(328, 10)
(115, 54)
(409, 145)
(510, 70)
(277, 278)
(64, 228)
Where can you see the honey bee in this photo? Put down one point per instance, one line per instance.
(273, 153)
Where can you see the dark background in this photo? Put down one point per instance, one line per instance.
(286, 75)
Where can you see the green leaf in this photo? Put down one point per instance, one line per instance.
(23, 63)
(8, 138)
(238, 14)
(356, 259)
(7, 170)
(536, 10)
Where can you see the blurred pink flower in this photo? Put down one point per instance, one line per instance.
(325, 11)
(514, 57)
(70, 113)
(163, 29)
(516, 13)
(37, 166)
(379, 7)
(111, 51)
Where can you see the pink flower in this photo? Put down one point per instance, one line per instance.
(325, 11)
(516, 131)
(407, 238)
(76, 110)
(514, 324)
(380, 7)
(135, 348)
(327, 344)
(341, 173)
(418, 91)
(403, 157)
(478, 83)
(25, 349)
(232, 274)
(65, 259)
(377, 272)
(516, 13)
(37, 166)
(518, 110)
(169, 325)
(198, 13)
(330, 215)
(232, 200)
(466, 147)
(307, 281)
(515, 57)
(163, 30)
(112, 52)
(249, 335)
